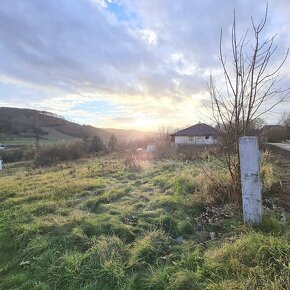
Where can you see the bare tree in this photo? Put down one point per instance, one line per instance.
(113, 142)
(97, 144)
(285, 119)
(164, 133)
(252, 89)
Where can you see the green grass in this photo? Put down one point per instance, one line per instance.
(19, 141)
(52, 137)
(95, 224)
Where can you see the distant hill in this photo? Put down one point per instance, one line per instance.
(25, 124)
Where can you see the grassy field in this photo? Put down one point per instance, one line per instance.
(109, 223)
(52, 137)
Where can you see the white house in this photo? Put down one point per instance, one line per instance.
(199, 134)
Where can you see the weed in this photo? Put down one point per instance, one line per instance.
(132, 164)
(184, 185)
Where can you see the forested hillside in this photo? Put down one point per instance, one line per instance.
(27, 123)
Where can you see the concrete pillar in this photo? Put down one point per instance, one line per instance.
(250, 178)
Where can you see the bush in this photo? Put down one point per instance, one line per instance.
(132, 164)
(167, 150)
(11, 155)
(15, 155)
(96, 145)
(269, 174)
(61, 151)
(217, 185)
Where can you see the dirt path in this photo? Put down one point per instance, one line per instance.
(282, 159)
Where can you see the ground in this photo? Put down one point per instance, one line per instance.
(115, 223)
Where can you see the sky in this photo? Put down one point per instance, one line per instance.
(131, 64)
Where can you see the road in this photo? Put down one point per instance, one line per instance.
(281, 145)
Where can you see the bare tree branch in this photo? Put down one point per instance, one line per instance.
(251, 84)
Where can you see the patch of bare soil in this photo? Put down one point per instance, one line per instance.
(282, 158)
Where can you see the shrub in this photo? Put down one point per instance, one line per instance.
(190, 153)
(113, 142)
(132, 164)
(15, 155)
(165, 151)
(217, 185)
(268, 171)
(168, 150)
(61, 151)
(96, 145)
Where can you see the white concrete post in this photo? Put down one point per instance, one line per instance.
(250, 178)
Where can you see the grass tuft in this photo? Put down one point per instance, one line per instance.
(150, 247)
(253, 260)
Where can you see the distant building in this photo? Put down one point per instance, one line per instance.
(151, 148)
(2, 146)
(199, 134)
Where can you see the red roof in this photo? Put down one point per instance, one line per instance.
(199, 129)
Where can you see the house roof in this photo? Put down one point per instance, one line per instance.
(199, 129)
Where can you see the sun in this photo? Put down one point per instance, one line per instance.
(145, 123)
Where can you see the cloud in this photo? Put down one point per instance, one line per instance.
(144, 58)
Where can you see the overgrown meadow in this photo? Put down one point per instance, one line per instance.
(110, 222)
